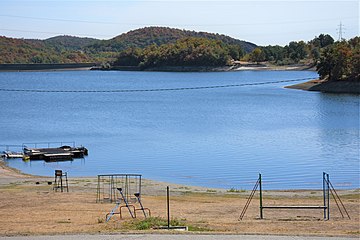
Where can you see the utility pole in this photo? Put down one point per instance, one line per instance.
(340, 31)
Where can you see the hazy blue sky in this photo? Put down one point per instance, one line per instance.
(261, 22)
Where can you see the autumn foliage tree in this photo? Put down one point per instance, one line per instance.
(257, 55)
(340, 61)
(184, 52)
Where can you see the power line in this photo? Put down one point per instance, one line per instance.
(157, 24)
(152, 89)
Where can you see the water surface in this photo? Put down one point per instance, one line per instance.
(221, 137)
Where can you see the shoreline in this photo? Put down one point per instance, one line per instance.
(232, 68)
(95, 67)
(9, 175)
(204, 210)
(338, 87)
(40, 67)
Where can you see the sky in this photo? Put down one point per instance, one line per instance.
(263, 22)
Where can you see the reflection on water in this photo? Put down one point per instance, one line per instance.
(210, 137)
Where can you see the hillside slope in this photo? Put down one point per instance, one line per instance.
(70, 42)
(143, 37)
(70, 49)
(13, 50)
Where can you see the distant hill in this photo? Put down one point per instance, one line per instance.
(13, 50)
(143, 37)
(70, 42)
(70, 49)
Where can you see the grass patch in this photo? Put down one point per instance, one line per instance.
(152, 222)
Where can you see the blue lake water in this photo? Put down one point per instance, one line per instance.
(220, 137)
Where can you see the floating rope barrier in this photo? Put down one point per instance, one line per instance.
(151, 89)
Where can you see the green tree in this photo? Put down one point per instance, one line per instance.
(340, 61)
(257, 55)
(323, 40)
(129, 57)
(296, 51)
(274, 53)
(235, 52)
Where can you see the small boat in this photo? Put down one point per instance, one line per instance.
(11, 154)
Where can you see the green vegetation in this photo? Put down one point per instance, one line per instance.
(334, 61)
(155, 222)
(144, 37)
(340, 61)
(69, 49)
(152, 222)
(153, 47)
(63, 43)
(184, 52)
(293, 53)
(37, 51)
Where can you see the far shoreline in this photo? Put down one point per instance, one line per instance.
(39, 67)
(231, 68)
(336, 87)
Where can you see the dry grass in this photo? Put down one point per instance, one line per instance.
(29, 208)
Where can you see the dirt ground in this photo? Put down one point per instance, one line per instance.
(29, 206)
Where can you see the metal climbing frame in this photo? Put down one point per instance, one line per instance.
(108, 184)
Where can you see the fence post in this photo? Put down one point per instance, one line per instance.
(261, 206)
(168, 206)
(324, 195)
(328, 196)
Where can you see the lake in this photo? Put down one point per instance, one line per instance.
(212, 137)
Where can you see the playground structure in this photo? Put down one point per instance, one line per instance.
(327, 188)
(124, 190)
(59, 184)
(108, 184)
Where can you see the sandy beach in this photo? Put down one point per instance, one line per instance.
(29, 206)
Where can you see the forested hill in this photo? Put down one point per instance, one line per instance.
(143, 37)
(13, 50)
(70, 42)
(70, 49)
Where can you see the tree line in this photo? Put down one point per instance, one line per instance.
(334, 61)
(340, 61)
(188, 51)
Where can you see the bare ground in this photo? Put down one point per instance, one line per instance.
(350, 87)
(29, 206)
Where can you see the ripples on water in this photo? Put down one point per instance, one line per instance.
(210, 137)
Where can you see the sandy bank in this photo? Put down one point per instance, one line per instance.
(351, 87)
(30, 206)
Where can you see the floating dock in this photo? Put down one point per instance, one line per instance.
(46, 151)
(63, 153)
